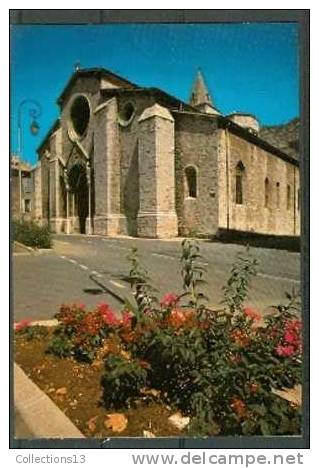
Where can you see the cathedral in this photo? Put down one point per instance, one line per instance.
(122, 159)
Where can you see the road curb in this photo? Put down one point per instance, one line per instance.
(42, 418)
(25, 247)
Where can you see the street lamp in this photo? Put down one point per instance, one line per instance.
(34, 113)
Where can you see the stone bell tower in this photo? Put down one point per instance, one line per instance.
(200, 97)
(156, 160)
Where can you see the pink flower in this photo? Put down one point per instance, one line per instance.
(252, 314)
(290, 337)
(108, 315)
(23, 324)
(169, 300)
(285, 351)
(293, 326)
(126, 318)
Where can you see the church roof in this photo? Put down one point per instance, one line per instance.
(162, 97)
(200, 94)
(98, 73)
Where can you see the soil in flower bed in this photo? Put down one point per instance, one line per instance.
(75, 388)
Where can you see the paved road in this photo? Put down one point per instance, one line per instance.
(43, 281)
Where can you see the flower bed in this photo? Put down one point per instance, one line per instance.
(174, 355)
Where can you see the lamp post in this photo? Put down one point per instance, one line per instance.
(34, 113)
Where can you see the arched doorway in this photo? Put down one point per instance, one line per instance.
(79, 187)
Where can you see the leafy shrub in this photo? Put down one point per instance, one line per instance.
(29, 331)
(218, 366)
(31, 234)
(122, 381)
(81, 333)
(221, 367)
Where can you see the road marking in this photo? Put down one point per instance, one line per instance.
(62, 256)
(282, 278)
(117, 284)
(83, 267)
(72, 261)
(175, 259)
(95, 273)
(162, 255)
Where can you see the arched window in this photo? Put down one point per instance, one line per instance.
(191, 181)
(278, 195)
(266, 192)
(240, 170)
(288, 197)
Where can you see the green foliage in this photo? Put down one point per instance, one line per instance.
(32, 235)
(236, 288)
(219, 367)
(143, 291)
(33, 332)
(192, 273)
(122, 381)
(60, 345)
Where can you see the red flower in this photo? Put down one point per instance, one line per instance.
(285, 351)
(126, 318)
(239, 407)
(108, 315)
(169, 300)
(290, 337)
(240, 337)
(145, 364)
(23, 324)
(252, 314)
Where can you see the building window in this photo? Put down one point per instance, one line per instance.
(27, 206)
(126, 114)
(266, 193)
(278, 195)
(240, 170)
(288, 197)
(80, 115)
(191, 181)
(27, 184)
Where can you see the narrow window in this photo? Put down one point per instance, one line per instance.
(266, 192)
(191, 181)
(240, 169)
(288, 197)
(27, 206)
(278, 195)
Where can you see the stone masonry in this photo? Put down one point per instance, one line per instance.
(128, 160)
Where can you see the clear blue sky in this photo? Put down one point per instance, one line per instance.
(247, 67)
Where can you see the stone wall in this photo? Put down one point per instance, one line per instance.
(129, 134)
(107, 170)
(15, 194)
(37, 194)
(156, 153)
(89, 87)
(278, 217)
(196, 142)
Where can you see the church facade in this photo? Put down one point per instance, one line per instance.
(129, 160)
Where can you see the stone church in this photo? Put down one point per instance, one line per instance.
(128, 160)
